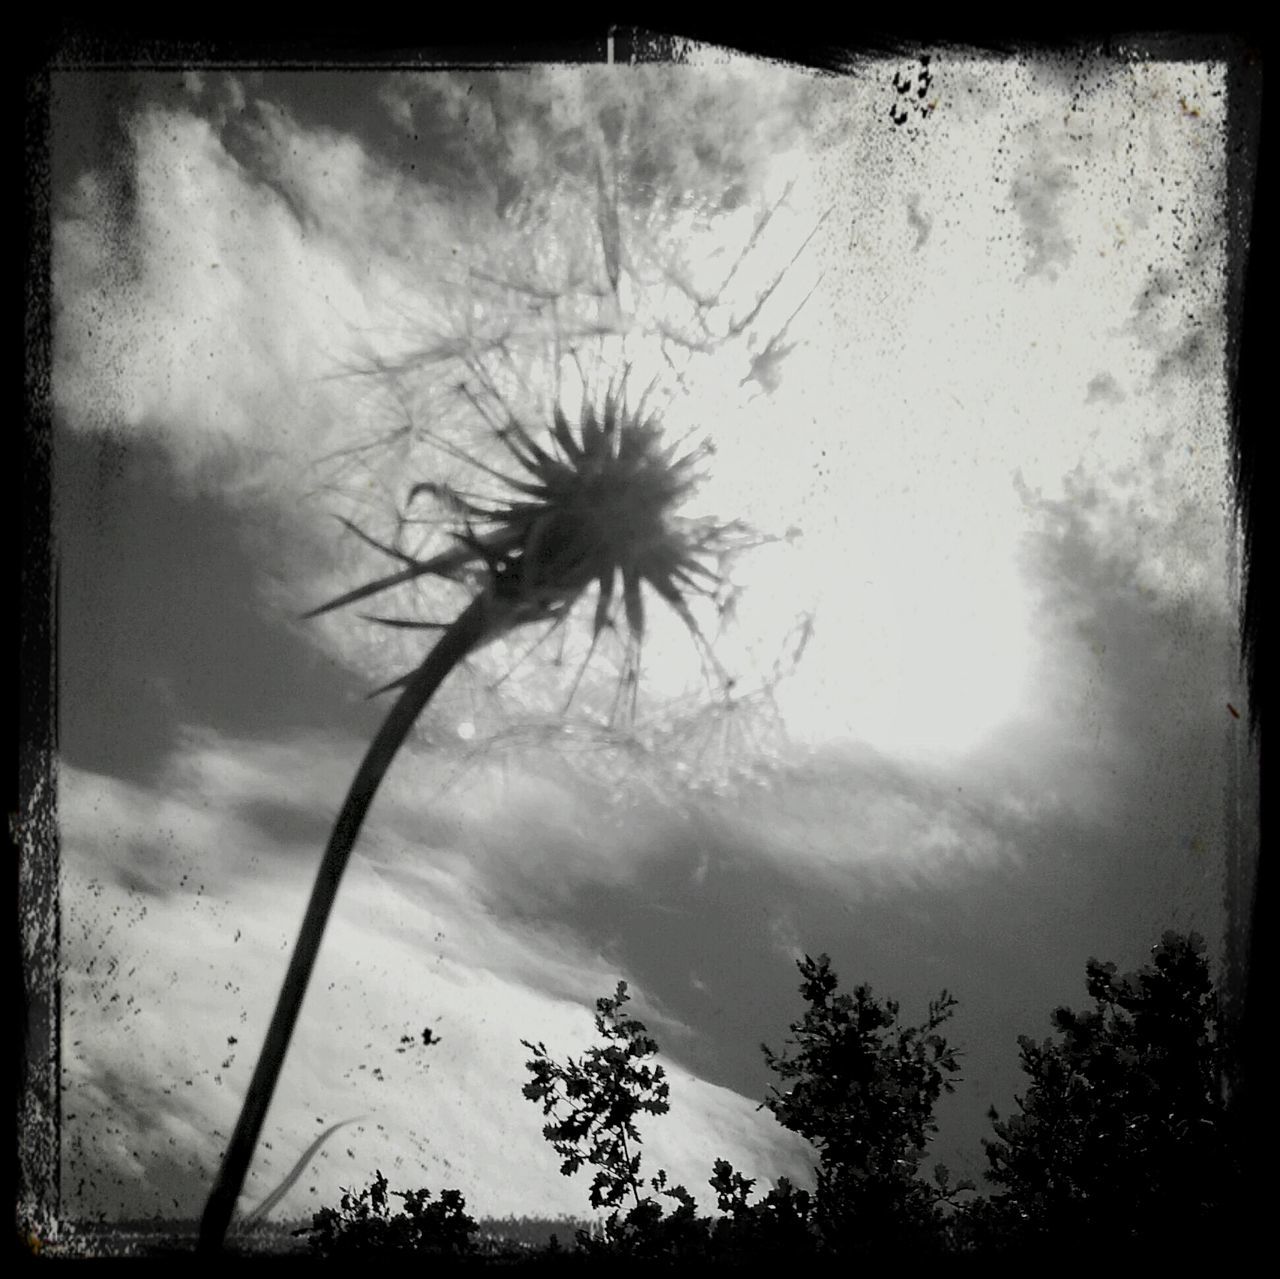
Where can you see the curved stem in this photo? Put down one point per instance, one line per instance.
(473, 627)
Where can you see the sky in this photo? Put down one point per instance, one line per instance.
(955, 333)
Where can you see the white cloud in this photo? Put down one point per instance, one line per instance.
(169, 955)
(221, 338)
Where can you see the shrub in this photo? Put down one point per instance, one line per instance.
(363, 1224)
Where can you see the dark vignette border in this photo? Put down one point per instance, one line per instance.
(33, 826)
(33, 810)
(1250, 879)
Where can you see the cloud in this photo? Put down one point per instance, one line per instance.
(468, 920)
(178, 609)
(1139, 660)
(1110, 172)
(1094, 818)
(499, 905)
(694, 134)
(189, 346)
(271, 255)
(1104, 389)
(1038, 195)
(172, 955)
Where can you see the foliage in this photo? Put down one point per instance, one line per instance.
(530, 1233)
(594, 1102)
(1120, 1137)
(863, 1095)
(363, 1224)
(781, 1223)
(1120, 1140)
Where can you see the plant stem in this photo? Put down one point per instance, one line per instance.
(626, 1154)
(476, 624)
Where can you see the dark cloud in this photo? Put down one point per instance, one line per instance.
(146, 870)
(89, 140)
(1078, 74)
(707, 926)
(1190, 354)
(665, 134)
(288, 825)
(159, 620)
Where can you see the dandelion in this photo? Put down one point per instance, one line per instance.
(588, 510)
(581, 519)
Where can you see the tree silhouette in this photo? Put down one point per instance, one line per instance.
(1120, 1137)
(593, 1103)
(863, 1090)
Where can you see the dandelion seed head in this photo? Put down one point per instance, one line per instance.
(554, 434)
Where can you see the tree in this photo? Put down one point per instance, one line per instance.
(1120, 1137)
(863, 1094)
(594, 1102)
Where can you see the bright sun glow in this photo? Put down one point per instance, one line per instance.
(919, 643)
